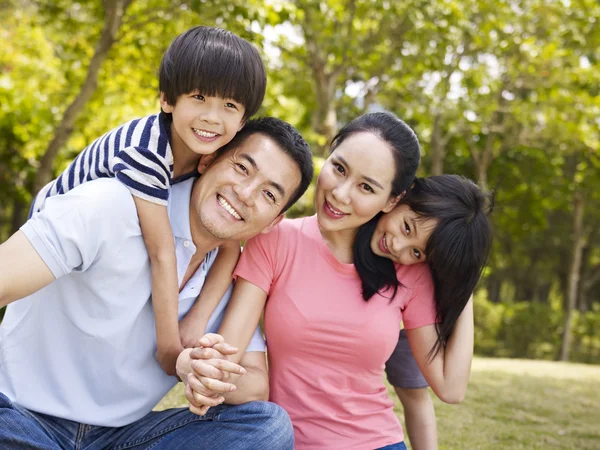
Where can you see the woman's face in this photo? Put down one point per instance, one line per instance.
(355, 183)
(402, 236)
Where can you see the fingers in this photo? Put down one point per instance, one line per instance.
(216, 368)
(209, 387)
(210, 339)
(200, 401)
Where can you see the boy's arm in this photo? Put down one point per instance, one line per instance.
(193, 326)
(22, 270)
(158, 237)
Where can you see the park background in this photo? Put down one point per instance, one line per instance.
(504, 92)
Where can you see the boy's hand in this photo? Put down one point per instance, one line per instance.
(167, 357)
(191, 330)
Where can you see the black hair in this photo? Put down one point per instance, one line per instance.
(378, 274)
(459, 245)
(215, 62)
(289, 141)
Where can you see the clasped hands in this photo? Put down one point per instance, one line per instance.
(207, 372)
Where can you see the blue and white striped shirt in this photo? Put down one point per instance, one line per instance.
(137, 153)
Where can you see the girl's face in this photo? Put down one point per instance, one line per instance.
(355, 183)
(402, 236)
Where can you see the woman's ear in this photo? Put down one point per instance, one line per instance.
(391, 204)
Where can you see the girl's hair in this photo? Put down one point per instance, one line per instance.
(404, 145)
(457, 249)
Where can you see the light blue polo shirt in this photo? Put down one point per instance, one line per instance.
(82, 348)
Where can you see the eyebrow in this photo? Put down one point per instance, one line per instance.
(278, 187)
(369, 179)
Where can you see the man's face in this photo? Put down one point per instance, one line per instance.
(243, 192)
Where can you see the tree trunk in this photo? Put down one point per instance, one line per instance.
(438, 150)
(574, 273)
(325, 121)
(114, 10)
(19, 215)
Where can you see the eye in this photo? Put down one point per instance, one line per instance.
(339, 168)
(406, 228)
(417, 253)
(199, 97)
(271, 197)
(241, 167)
(367, 188)
(231, 105)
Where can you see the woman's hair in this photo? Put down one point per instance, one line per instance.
(404, 145)
(457, 249)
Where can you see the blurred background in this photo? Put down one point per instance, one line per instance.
(504, 92)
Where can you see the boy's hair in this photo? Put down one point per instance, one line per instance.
(289, 141)
(217, 63)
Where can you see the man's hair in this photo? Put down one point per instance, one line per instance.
(217, 63)
(288, 139)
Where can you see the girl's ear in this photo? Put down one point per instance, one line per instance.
(391, 204)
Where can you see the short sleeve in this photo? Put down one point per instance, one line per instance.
(145, 173)
(258, 262)
(70, 230)
(420, 308)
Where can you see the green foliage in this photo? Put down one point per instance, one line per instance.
(533, 330)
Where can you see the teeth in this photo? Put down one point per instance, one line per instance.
(334, 211)
(205, 134)
(228, 208)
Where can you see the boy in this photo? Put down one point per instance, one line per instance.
(211, 81)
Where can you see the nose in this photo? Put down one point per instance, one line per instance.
(341, 193)
(246, 193)
(210, 112)
(397, 245)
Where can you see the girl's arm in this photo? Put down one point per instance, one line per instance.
(193, 326)
(156, 230)
(242, 316)
(448, 372)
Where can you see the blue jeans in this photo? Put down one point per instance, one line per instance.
(250, 426)
(398, 446)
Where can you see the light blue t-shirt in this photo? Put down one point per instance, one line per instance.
(82, 348)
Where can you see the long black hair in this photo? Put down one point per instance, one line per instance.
(457, 249)
(375, 272)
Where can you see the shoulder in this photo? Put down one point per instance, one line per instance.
(104, 198)
(414, 276)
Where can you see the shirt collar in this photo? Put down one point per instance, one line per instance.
(179, 209)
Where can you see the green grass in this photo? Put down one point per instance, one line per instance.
(513, 404)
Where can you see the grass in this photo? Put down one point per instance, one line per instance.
(513, 404)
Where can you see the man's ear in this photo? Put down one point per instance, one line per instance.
(277, 219)
(391, 204)
(164, 104)
(205, 161)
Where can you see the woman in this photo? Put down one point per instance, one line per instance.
(327, 345)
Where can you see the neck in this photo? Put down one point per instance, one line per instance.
(340, 243)
(184, 160)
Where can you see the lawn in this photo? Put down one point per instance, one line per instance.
(514, 404)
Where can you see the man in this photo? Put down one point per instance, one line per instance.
(77, 351)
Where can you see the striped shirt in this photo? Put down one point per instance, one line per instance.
(138, 154)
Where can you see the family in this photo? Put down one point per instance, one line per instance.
(120, 283)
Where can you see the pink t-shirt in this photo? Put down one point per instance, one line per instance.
(327, 347)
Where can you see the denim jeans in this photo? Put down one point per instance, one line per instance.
(254, 425)
(397, 446)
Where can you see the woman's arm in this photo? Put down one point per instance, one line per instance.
(448, 372)
(242, 315)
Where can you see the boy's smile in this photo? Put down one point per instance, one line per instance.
(201, 125)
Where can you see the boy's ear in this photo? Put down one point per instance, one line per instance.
(205, 161)
(164, 104)
(277, 219)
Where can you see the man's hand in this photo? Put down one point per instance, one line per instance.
(167, 357)
(191, 330)
(208, 374)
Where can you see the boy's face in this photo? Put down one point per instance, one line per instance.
(201, 124)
